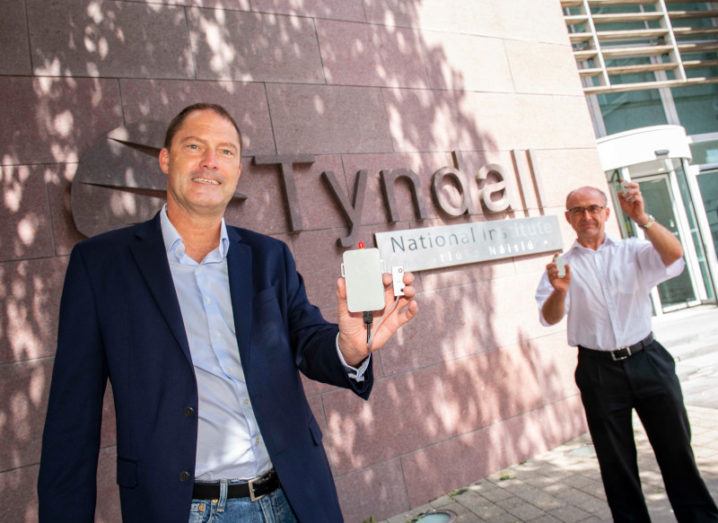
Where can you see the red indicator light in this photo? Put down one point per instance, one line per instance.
(361, 245)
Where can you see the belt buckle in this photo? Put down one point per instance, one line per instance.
(620, 358)
(250, 486)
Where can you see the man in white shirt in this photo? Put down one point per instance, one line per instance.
(605, 292)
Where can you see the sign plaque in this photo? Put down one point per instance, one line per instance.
(444, 246)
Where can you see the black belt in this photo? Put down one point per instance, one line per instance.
(252, 489)
(618, 354)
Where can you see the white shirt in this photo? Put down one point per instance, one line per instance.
(608, 302)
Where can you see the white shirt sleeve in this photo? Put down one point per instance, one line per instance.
(653, 270)
(357, 374)
(543, 291)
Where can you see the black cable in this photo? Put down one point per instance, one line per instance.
(368, 320)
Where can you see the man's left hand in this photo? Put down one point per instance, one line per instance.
(352, 331)
(631, 201)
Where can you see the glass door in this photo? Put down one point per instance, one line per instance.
(708, 183)
(680, 291)
(667, 196)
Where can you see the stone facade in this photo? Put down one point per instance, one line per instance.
(474, 383)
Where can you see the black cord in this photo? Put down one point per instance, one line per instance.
(368, 320)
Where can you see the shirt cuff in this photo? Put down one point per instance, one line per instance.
(675, 268)
(357, 374)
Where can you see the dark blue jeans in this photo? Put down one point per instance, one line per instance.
(647, 382)
(272, 508)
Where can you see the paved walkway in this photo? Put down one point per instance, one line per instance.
(564, 484)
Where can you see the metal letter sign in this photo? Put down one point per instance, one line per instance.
(433, 247)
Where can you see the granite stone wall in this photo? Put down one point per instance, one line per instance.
(475, 382)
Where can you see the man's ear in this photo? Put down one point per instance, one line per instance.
(567, 216)
(164, 160)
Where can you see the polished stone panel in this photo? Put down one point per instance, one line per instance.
(318, 260)
(425, 120)
(20, 487)
(374, 491)
(372, 55)
(31, 301)
(461, 460)
(533, 20)
(51, 120)
(532, 73)
(58, 184)
(117, 39)
(328, 119)
(467, 62)
(329, 9)
(475, 17)
(234, 45)
(25, 228)
(15, 56)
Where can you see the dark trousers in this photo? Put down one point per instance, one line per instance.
(646, 381)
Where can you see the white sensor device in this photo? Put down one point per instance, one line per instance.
(362, 271)
(624, 189)
(561, 266)
(397, 280)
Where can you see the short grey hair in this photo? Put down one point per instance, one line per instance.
(589, 188)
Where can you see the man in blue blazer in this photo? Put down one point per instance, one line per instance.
(201, 329)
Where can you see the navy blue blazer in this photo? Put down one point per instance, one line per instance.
(120, 319)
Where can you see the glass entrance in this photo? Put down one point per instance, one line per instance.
(683, 197)
(667, 196)
(708, 183)
(679, 291)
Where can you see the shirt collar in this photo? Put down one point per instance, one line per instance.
(174, 245)
(607, 242)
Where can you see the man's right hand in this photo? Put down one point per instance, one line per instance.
(554, 307)
(558, 283)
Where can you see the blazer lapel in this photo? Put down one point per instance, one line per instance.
(241, 288)
(151, 257)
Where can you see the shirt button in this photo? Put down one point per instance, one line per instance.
(206, 300)
(247, 403)
(189, 412)
(184, 475)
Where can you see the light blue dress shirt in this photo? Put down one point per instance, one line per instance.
(229, 444)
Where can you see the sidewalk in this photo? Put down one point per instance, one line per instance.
(564, 484)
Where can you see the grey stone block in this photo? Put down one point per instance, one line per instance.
(330, 9)
(235, 45)
(117, 39)
(15, 56)
(328, 119)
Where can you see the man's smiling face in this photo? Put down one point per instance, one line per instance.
(202, 164)
(587, 213)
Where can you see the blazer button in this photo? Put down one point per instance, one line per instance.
(189, 412)
(184, 475)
